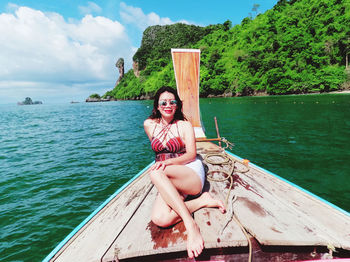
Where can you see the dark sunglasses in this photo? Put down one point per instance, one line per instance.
(165, 103)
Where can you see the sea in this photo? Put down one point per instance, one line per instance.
(59, 162)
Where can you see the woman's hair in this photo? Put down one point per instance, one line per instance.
(178, 113)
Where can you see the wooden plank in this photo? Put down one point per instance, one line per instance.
(273, 211)
(328, 222)
(270, 221)
(186, 68)
(277, 213)
(214, 226)
(92, 241)
(141, 237)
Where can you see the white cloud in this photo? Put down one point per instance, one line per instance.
(46, 51)
(135, 15)
(90, 8)
(44, 55)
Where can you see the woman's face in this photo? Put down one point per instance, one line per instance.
(167, 104)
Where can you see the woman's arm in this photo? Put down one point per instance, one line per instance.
(147, 125)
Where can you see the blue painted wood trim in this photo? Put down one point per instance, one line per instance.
(64, 241)
(294, 185)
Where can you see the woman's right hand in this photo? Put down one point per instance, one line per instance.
(161, 165)
(158, 165)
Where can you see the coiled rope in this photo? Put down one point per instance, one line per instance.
(223, 159)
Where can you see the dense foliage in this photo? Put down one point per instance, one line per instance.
(97, 96)
(158, 40)
(299, 46)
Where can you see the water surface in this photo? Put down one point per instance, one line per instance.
(58, 163)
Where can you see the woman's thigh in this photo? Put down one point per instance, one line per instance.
(185, 179)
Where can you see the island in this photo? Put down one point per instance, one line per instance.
(29, 101)
(98, 98)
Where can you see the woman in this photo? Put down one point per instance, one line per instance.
(177, 172)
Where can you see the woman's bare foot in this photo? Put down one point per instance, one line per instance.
(211, 202)
(195, 243)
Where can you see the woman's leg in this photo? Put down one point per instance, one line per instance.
(171, 181)
(164, 216)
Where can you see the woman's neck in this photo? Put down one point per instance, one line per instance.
(166, 121)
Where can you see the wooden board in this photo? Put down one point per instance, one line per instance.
(273, 211)
(215, 227)
(186, 67)
(141, 237)
(276, 213)
(95, 238)
(328, 223)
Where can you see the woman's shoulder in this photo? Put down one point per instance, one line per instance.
(150, 122)
(149, 125)
(184, 124)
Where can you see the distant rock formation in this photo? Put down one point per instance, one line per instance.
(135, 67)
(120, 66)
(29, 101)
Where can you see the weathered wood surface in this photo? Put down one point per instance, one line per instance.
(301, 213)
(186, 67)
(141, 237)
(215, 229)
(94, 239)
(271, 210)
(276, 213)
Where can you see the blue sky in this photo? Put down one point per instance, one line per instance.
(59, 51)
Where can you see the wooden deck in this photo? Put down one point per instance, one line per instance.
(283, 222)
(274, 213)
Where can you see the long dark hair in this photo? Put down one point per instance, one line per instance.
(178, 113)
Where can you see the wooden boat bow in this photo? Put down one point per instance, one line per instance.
(284, 221)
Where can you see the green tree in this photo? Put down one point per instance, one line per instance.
(298, 46)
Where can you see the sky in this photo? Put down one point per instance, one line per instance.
(58, 51)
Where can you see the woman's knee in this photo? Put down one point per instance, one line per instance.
(155, 175)
(161, 220)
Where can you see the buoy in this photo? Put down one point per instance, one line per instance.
(245, 162)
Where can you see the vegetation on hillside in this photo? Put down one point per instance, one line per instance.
(299, 46)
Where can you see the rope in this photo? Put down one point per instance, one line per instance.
(246, 235)
(224, 159)
(227, 175)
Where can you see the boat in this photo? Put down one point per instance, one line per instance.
(268, 218)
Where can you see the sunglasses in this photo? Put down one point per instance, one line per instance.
(165, 103)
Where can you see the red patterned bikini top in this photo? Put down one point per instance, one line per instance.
(174, 147)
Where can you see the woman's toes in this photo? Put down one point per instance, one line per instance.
(189, 253)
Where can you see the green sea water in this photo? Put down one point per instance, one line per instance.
(58, 163)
